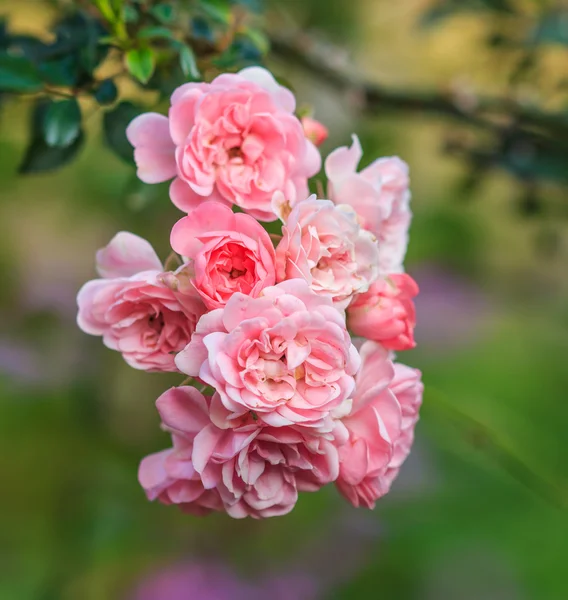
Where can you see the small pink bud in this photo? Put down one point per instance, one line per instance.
(314, 131)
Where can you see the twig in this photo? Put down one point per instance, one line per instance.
(328, 64)
(482, 437)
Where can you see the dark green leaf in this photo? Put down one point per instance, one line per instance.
(532, 158)
(130, 14)
(163, 13)
(106, 92)
(253, 5)
(259, 39)
(64, 71)
(188, 64)
(200, 29)
(18, 74)
(62, 123)
(28, 46)
(140, 63)
(241, 52)
(4, 37)
(444, 9)
(79, 34)
(115, 122)
(155, 31)
(552, 29)
(39, 156)
(167, 78)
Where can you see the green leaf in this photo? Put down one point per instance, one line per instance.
(40, 157)
(252, 5)
(62, 123)
(168, 78)
(201, 29)
(155, 31)
(188, 63)
(61, 72)
(18, 74)
(141, 63)
(106, 92)
(115, 122)
(130, 14)
(552, 29)
(259, 39)
(218, 10)
(79, 35)
(163, 13)
(444, 9)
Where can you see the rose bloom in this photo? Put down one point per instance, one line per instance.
(324, 244)
(283, 358)
(234, 140)
(315, 131)
(380, 196)
(385, 313)
(228, 253)
(381, 426)
(133, 310)
(249, 471)
(408, 388)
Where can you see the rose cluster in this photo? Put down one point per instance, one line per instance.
(280, 399)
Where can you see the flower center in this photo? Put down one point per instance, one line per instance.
(235, 152)
(235, 273)
(156, 322)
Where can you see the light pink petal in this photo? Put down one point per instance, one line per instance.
(204, 446)
(154, 150)
(183, 197)
(182, 115)
(312, 160)
(125, 255)
(263, 78)
(184, 409)
(152, 474)
(343, 161)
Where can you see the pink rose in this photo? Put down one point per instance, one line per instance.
(408, 388)
(249, 471)
(282, 358)
(228, 252)
(385, 313)
(373, 425)
(133, 310)
(380, 196)
(234, 140)
(381, 426)
(324, 244)
(264, 478)
(315, 131)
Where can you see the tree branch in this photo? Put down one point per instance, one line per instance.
(497, 114)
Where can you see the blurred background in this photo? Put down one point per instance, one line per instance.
(474, 96)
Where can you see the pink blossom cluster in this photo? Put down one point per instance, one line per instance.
(279, 399)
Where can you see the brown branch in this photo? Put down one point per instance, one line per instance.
(496, 114)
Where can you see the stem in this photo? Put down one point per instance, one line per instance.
(172, 262)
(59, 93)
(481, 436)
(483, 112)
